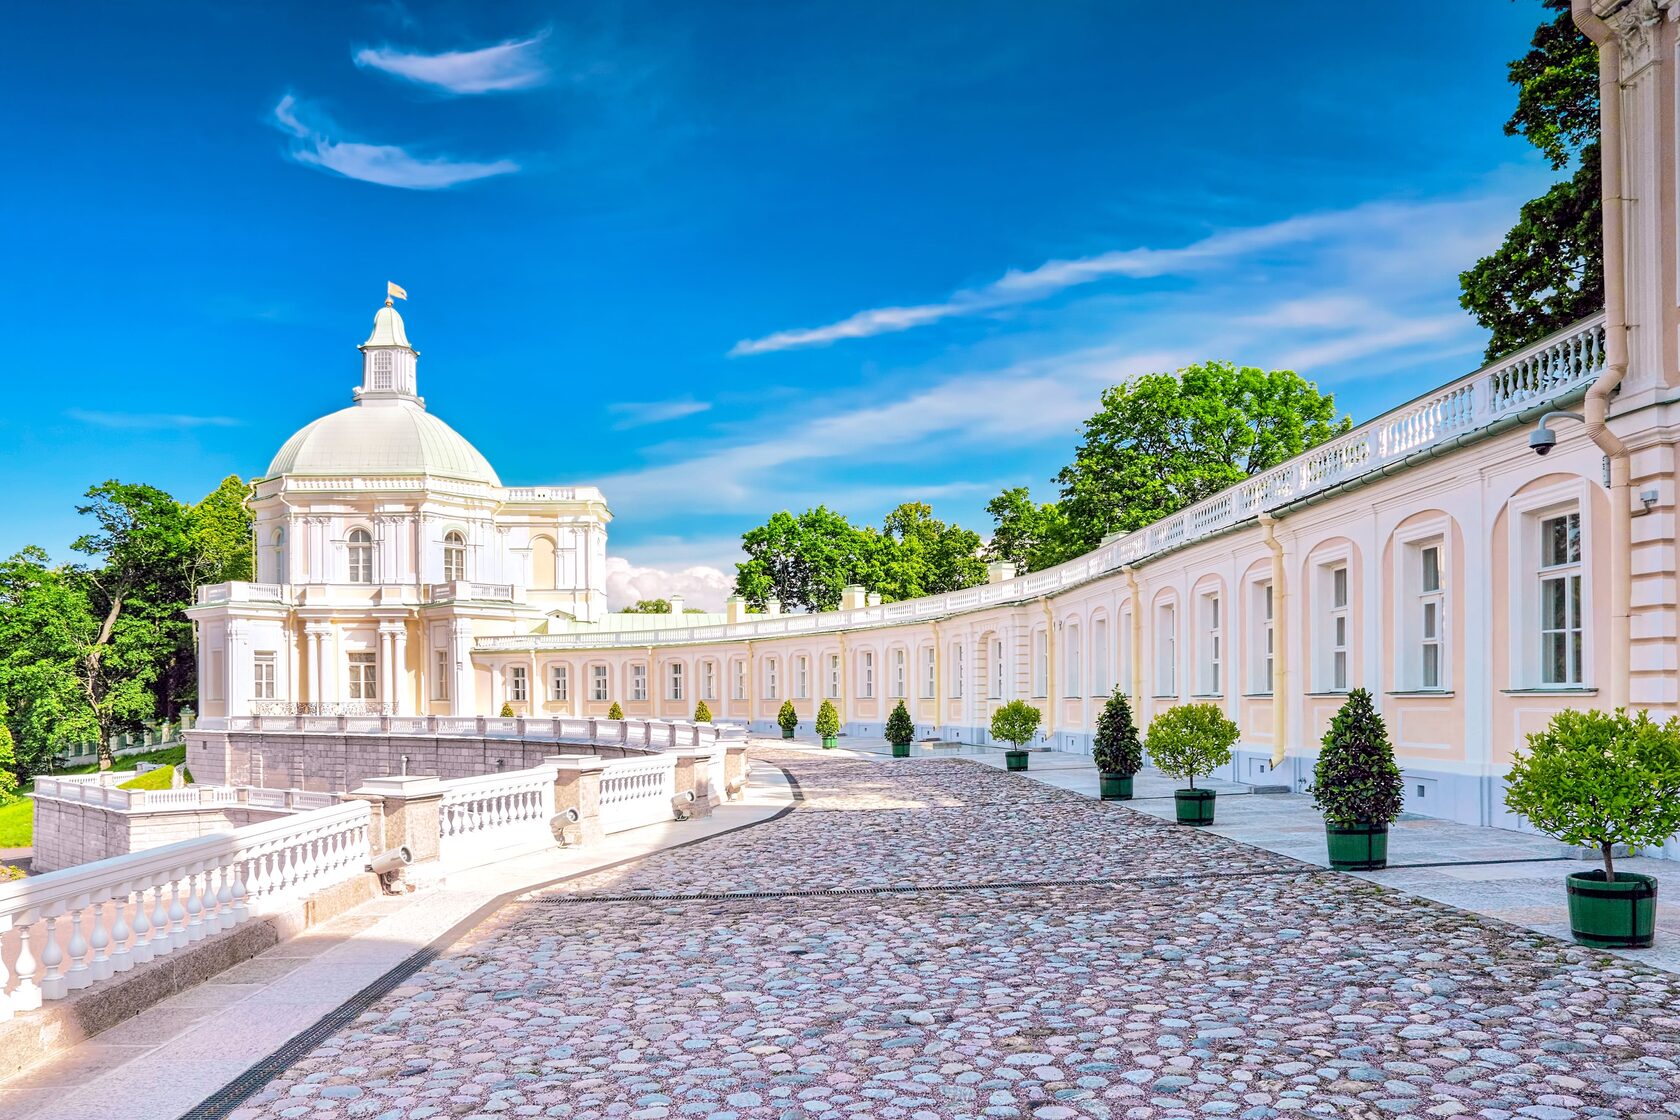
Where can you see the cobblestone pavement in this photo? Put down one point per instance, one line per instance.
(969, 977)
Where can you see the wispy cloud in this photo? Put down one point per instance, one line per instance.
(150, 421)
(1019, 286)
(511, 65)
(385, 164)
(636, 414)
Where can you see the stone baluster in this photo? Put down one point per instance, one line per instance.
(52, 956)
(195, 907)
(239, 909)
(122, 956)
(178, 935)
(162, 940)
(100, 939)
(27, 997)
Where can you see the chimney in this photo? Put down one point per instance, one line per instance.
(677, 604)
(772, 606)
(1000, 570)
(874, 599)
(852, 597)
(735, 609)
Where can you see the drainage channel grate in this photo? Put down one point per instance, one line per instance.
(923, 888)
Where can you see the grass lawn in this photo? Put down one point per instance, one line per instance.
(17, 824)
(17, 820)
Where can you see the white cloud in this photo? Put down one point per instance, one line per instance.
(1025, 286)
(634, 414)
(512, 65)
(702, 586)
(150, 421)
(385, 164)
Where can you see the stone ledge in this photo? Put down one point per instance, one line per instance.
(34, 1036)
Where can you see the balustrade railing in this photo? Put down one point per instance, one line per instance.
(650, 734)
(1552, 368)
(636, 792)
(68, 929)
(496, 814)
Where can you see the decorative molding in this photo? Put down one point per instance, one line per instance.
(1636, 27)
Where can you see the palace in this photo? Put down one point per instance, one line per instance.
(1430, 556)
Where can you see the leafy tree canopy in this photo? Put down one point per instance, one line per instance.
(1549, 271)
(1031, 535)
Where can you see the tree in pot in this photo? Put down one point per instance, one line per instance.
(1187, 741)
(507, 709)
(1357, 786)
(828, 725)
(615, 712)
(900, 730)
(1599, 779)
(1116, 750)
(1016, 723)
(702, 714)
(788, 718)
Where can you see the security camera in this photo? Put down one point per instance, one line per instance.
(1542, 440)
(682, 805)
(387, 862)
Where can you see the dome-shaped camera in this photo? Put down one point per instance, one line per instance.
(1542, 440)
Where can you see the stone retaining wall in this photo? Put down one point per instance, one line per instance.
(68, 833)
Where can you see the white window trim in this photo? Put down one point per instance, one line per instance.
(1102, 655)
(638, 681)
(1210, 641)
(1524, 513)
(1407, 617)
(600, 682)
(1040, 639)
(999, 684)
(1323, 613)
(1164, 635)
(559, 682)
(1072, 676)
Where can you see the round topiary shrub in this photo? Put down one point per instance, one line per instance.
(1191, 740)
(1116, 748)
(1356, 780)
(900, 727)
(702, 714)
(1016, 723)
(615, 712)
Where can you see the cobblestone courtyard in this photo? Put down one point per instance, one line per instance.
(1010, 950)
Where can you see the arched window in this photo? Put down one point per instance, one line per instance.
(454, 556)
(361, 556)
(543, 569)
(278, 541)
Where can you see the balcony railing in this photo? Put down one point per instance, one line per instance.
(461, 589)
(647, 734)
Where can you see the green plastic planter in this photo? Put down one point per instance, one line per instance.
(1194, 806)
(1618, 915)
(1115, 787)
(1357, 847)
(786, 734)
(1014, 760)
(901, 750)
(830, 742)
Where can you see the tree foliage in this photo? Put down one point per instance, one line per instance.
(1116, 749)
(702, 714)
(828, 720)
(1031, 535)
(1016, 723)
(1191, 740)
(8, 762)
(1164, 441)
(900, 727)
(788, 717)
(1356, 780)
(1597, 779)
(648, 606)
(807, 560)
(1549, 271)
(615, 712)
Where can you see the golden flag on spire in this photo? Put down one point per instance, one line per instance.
(395, 290)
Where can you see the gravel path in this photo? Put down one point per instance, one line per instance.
(1182, 975)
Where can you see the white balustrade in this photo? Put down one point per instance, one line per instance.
(637, 792)
(68, 929)
(496, 814)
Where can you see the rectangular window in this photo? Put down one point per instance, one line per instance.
(598, 683)
(834, 676)
(1429, 608)
(1101, 658)
(1339, 629)
(739, 684)
(1041, 663)
(866, 676)
(1166, 650)
(958, 650)
(560, 683)
(930, 674)
(638, 681)
(770, 679)
(441, 664)
(708, 680)
(1561, 634)
(1070, 640)
(1211, 653)
(801, 677)
(364, 677)
(262, 676)
(898, 692)
(518, 685)
(997, 669)
(676, 680)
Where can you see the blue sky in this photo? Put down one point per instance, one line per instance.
(724, 259)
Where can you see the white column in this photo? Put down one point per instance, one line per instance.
(312, 673)
(399, 673)
(460, 636)
(235, 668)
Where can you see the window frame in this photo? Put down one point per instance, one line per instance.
(454, 556)
(264, 685)
(519, 684)
(364, 688)
(1165, 633)
(358, 555)
(1414, 604)
(560, 682)
(1526, 516)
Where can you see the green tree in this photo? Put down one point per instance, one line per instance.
(1549, 271)
(45, 623)
(1031, 535)
(8, 761)
(1191, 740)
(922, 555)
(805, 560)
(649, 606)
(222, 527)
(788, 717)
(702, 714)
(1356, 780)
(1165, 441)
(828, 720)
(900, 727)
(615, 712)
(1016, 723)
(1116, 749)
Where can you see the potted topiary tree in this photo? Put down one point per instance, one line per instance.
(507, 709)
(615, 712)
(1357, 786)
(1016, 723)
(1599, 779)
(1188, 740)
(702, 714)
(828, 725)
(788, 718)
(900, 730)
(1116, 750)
